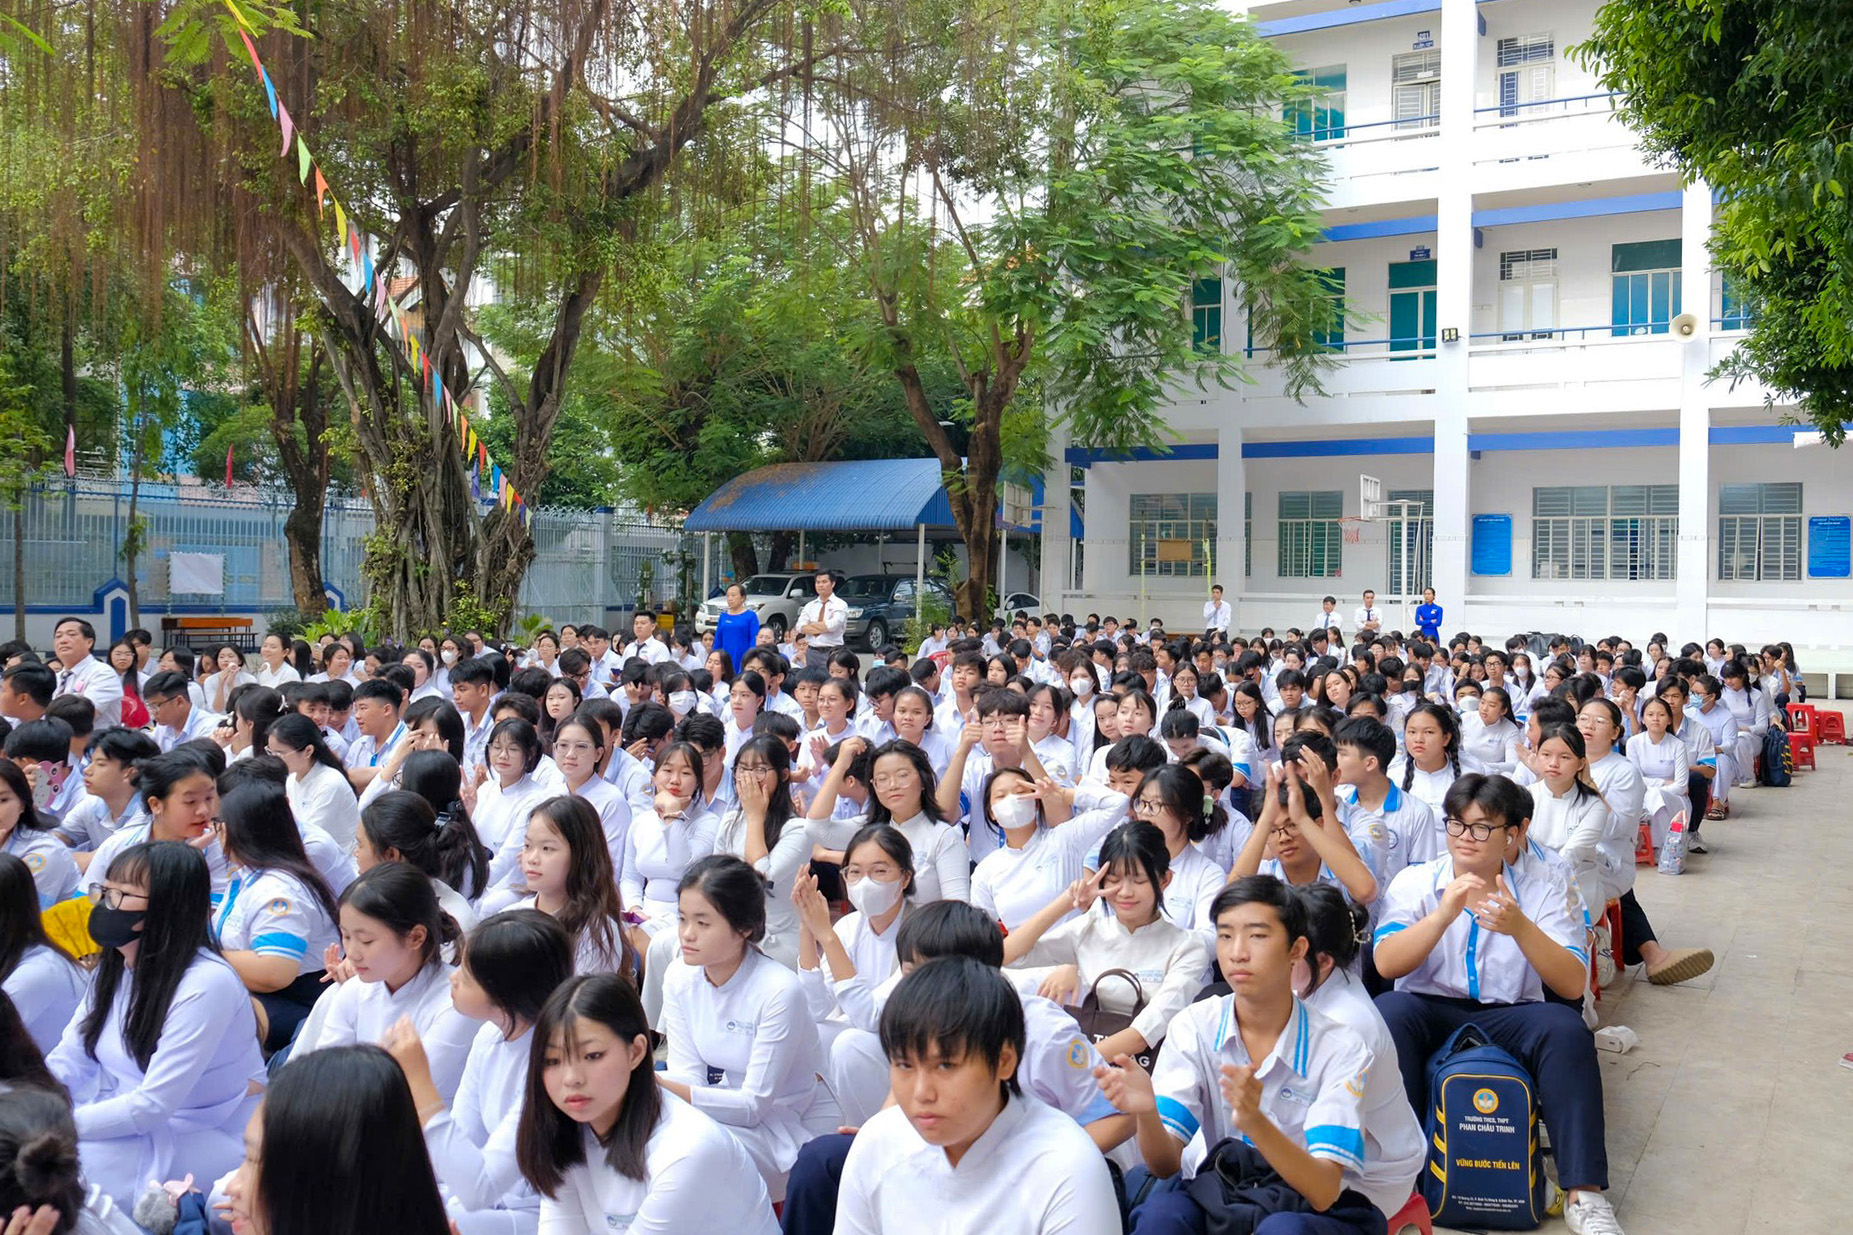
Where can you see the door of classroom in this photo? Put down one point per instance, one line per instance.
(1412, 307)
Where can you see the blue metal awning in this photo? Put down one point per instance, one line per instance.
(857, 495)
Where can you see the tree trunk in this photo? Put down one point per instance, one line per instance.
(745, 556)
(784, 544)
(296, 399)
(133, 538)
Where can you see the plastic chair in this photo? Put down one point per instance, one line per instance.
(1413, 1216)
(1802, 719)
(1644, 845)
(1832, 728)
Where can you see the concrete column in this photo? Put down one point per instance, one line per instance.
(1231, 488)
(1454, 258)
(1692, 587)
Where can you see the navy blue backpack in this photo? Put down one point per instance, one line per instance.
(1778, 768)
(1485, 1165)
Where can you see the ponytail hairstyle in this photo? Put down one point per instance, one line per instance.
(437, 778)
(403, 822)
(1181, 790)
(594, 911)
(1139, 846)
(1336, 927)
(1450, 738)
(298, 732)
(260, 707)
(1572, 737)
(443, 716)
(38, 1155)
(1217, 773)
(548, 1142)
(177, 928)
(261, 835)
(400, 897)
(21, 1062)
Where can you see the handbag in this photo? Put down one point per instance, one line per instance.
(1098, 1023)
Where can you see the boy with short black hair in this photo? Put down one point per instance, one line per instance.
(1391, 829)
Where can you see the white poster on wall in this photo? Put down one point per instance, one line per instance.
(196, 574)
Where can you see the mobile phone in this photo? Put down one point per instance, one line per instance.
(42, 787)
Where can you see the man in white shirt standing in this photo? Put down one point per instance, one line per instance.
(824, 619)
(1217, 615)
(1368, 618)
(1328, 618)
(72, 638)
(648, 647)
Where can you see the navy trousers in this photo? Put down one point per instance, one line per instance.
(1552, 1042)
(1168, 1210)
(811, 1187)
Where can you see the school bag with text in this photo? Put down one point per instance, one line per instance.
(1485, 1165)
(1778, 760)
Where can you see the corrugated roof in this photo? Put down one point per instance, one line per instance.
(858, 495)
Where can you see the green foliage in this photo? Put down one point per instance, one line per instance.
(1750, 96)
(927, 613)
(22, 432)
(289, 622)
(367, 621)
(468, 612)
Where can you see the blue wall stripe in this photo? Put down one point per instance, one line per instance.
(1564, 439)
(1755, 435)
(1087, 456)
(1574, 439)
(1636, 203)
(1339, 446)
(1352, 16)
(1416, 225)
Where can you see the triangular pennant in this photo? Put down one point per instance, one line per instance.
(427, 374)
(252, 48)
(243, 23)
(269, 90)
(321, 192)
(353, 243)
(463, 434)
(289, 129)
(340, 220)
(473, 443)
(302, 160)
(366, 267)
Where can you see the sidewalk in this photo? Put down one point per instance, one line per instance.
(1733, 1114)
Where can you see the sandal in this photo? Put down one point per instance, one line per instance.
(1717, 812)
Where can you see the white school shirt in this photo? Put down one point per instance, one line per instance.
(135, 834)
(633, 778)
(472, 1141)
(1195, 881)
(1403, 830)
(941, 870)
(1720, 724)
(96, 681)
(755, 1034)
(198, 1079)
(476, 739)
(614, 815)
(1751, 709)
(1056, 755)
(361, 1012)
(48, 859)
(588, 957)
(273, 678)
(1217, 616)
(1312, 1083)
(1487, 748)
(46, 988)
(1468, 962)
(1431, 787)
(364, 752)
(212, 683)
(852, 999)
(502, 813)
(697, 1179)
(1665, 765)
(199, 724)
(272, 914)
(1574, 828)
(650, 651)
(1393, 1146)
(780, 869)
(1225, 844)
(833, 613)
(1012, 885)
(1168, 960)
(1032, 1172)
(91, 822)
(333, 863)
(1326, 620)
(656, 853)
(325, 798)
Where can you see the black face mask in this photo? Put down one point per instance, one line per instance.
(115, 928)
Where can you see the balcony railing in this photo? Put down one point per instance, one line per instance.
(1505, 114)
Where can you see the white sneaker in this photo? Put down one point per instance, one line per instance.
(1589, 1213)
(1605, 957)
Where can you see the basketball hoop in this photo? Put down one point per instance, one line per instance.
(1352, 528)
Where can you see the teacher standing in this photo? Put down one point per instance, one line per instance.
(738, 629)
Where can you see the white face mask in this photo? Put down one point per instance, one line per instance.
(681, 702)
(1016, 811)
(1083, 685)
(448, 656)
(873, 897)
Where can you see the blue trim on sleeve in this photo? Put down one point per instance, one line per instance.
(1337, 1142)
(1388, 929)
(280, 943)
(1095, 1110)
(1179, 1121)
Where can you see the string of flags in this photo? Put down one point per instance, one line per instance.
(487, 480)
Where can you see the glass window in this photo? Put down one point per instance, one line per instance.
(1172, 534)
(1206, 314)
(1322, 118)
(1605, 532)
(1311, 540)
(1760, 532)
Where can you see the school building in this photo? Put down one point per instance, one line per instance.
(1533, 315)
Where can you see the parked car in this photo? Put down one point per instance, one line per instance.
(777, 598)
(881, 605)
(1019, 602)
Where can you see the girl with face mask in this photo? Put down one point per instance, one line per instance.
(167, 1033)
(1036, 859)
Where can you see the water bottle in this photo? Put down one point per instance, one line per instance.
(1673, 852)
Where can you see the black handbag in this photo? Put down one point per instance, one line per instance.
(1098, 1023)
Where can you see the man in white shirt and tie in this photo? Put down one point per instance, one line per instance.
(1328, 615)
(1217, 615)
(82, 674)
(1368, 618)
(648, 647)
(824, 619)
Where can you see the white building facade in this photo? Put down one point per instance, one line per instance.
(1532, 317)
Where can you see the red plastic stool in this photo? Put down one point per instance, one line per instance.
(1802, 718)
(1832, 728)
(1801, 745)
(1413, 1216)
(1644, 845)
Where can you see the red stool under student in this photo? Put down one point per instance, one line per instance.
(1413, 1216)
(1832, 728)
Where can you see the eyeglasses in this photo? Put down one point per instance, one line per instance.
(894, 778)
(573, 748)
(752, 769)
(507, 748)
(1148, 806)
(1479, 831)
(109, 898)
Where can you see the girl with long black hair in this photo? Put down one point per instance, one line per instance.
(766, 831)
(162, 1052)
(318, 787)
(401, 826)
(41, 978)
(569, 878)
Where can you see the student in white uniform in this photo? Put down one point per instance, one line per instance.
(318, 788)
(663, 841)
(567, 873)
(401, 826)
(904, 786)
(1489, 736)
(742, 1045)
(182, 798)
(507, 969)
(1751, 708)
(230, 676)
(43, 981)
(766, 831)
(161, 1055)
(111, 798)
(1171, 798)
(506, 797)
(177, 716)
(1389, 828)
(29, 836)
(335, 1147)
(1570, 818)
(607, 1146)
(1128, 932)
(273, 668)
(1665, 767)
(1045, 843)
(1478, 936)
(1303, 841)
(1260, 1079)
(964, 1148)
(913, 722)
(392, 937)
(40, 1173)
(578, 746)
(1430, 760)
(277, 919)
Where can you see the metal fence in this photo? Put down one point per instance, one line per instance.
(585, 561)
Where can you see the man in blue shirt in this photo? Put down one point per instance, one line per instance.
(1428, 616)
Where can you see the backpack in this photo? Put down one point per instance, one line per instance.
(1485, 1165)
(1778, 760)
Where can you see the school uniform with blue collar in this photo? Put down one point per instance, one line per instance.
(1483, 978)
(48, 859)
(139, 832)
(91, 822)
(1401, 831)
